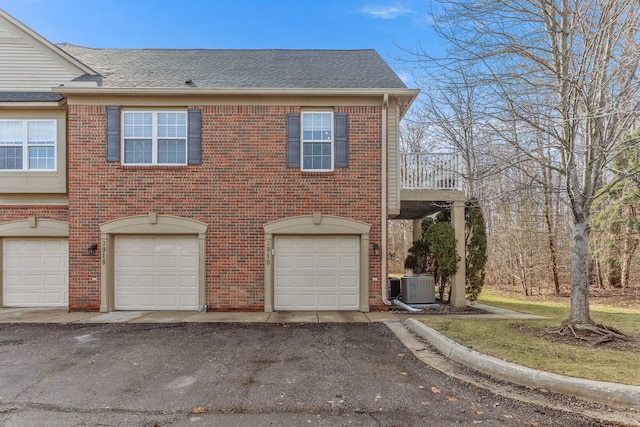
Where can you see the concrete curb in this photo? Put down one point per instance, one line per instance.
(621, 395)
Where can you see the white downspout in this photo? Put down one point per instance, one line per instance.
(383, 250)
(405, 306)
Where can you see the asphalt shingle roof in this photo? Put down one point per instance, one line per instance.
(217, 68)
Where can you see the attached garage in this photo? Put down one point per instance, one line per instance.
(317, 272)
(35, 272)
(156, 272)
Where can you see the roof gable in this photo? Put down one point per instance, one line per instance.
(30, 62)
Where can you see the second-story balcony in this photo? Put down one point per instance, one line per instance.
(431, 171)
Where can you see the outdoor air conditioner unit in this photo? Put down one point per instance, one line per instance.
(418, 289)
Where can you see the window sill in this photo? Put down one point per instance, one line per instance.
(317, 172)
(153, 167)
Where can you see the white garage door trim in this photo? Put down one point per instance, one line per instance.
(156, 272)
(317, 273)
(35, 272)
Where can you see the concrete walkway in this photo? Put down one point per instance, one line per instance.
(55, 315)
(44, 315)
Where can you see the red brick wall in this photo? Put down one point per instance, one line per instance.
(241, 184)
(22, 212)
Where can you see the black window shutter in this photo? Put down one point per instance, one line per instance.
(195, 132)
(293, 140)
(113, 133)
(341, 132)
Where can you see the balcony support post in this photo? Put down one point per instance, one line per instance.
(417, 229)
(459, 279)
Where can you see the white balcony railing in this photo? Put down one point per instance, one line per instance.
(430, 171)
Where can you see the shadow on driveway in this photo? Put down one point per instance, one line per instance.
(241, 374)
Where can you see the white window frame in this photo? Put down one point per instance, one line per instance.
(154, 137)
(304, 141)
(24, 144)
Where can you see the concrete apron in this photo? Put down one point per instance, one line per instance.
(45, 315)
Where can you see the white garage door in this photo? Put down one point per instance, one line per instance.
(156, 273)
(35, 272)
(317, 273)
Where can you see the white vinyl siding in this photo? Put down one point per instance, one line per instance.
(154, 138)
(317, 272)
(156, 273)
(32, 69)
(35, 272)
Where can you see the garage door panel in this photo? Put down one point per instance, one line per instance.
(170, 282)
(35, 272)
(316, 272)
(124, 261)
(161, 273)
(33, 262)
(306, 301)
(301, 243)
(348, 262)
(349, 244)
(188, 243)
(305, 281)
(53, 298)
(348, 300)
(54, 280)
(32, 280)
(144, 261)
(189, 281)
(125, 280)
(167, 261)
(188, 261)
(327, 282)
(349, 282)
(285, 301)
(12, 262)
(305, 262)
(327, 261)
(167, 300)
(144, 281)
(124, 300)
(286, 281)
(34, 297)
(187, 300)
(285, 261)
(11, 281)
(327, 302)
(12, 298)
(53, 262)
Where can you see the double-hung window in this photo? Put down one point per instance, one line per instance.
(317, 141)
(154, 137)
(28, 145)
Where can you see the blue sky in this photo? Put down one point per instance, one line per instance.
(232, 24)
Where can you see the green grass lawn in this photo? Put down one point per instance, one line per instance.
(517, 340)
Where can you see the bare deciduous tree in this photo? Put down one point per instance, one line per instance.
(578, 59)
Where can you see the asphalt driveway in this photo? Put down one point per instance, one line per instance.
(237, 374)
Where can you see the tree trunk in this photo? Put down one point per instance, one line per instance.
(579, 311)
(630, 246)
(550, 234)
(614, 272)
(599, 274)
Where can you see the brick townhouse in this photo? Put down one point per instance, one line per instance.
(153, 179)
